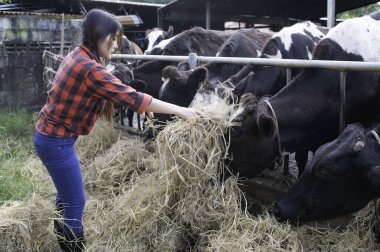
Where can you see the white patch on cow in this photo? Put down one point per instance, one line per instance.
(166, 81)
(160, 45)
(152, 38)
(359, 36)
(258, 53)
(285, 35)
(309, 54)
(110, 67)
(237, 113)
(277, 56)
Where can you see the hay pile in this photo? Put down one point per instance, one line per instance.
(169, 200)
(27, 226)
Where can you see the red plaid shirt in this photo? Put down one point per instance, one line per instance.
(77, 97)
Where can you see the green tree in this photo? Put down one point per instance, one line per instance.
(359, 11)
(5, 1)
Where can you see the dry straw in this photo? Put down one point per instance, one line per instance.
(171, 200)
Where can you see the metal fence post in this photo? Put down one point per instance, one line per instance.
(342, 117)
(288, 75)
(193, 60)
(285, 170)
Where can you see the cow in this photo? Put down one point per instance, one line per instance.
(196, 40)
(155, 36)
(294, 42)
(343, 177)
(180, 86)
(129, 47)
(123, 73)
(305, 114)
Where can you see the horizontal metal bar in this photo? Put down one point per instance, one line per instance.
(289, 63)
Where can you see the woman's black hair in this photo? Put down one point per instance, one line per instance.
(97, 25)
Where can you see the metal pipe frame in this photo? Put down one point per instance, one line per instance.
(342, 66)
(288, 63)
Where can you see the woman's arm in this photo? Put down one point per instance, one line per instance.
(157, 106)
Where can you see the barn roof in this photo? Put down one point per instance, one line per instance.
(222, 9)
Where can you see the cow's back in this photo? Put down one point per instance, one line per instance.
(197, 40)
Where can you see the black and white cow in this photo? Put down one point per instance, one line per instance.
(305, 113)
(343, 177)
(154, 36)
(196, 40)
(180, 86)
(294, 42)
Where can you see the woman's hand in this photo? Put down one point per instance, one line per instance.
(187, 113)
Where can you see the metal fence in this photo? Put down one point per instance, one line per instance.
(341, 66)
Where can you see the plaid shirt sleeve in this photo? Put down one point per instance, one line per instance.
(104, 85)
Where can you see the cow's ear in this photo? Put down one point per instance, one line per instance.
(169, 33)
(138, 85)
(169, 72)
(267, 125)
(239, 89)
(198, 76)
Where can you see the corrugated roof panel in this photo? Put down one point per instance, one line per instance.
(129, 3)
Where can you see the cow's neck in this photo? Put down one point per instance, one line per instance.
(307, 116)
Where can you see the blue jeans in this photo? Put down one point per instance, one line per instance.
(59, 157)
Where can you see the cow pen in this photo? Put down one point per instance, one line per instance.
(267, 187)
(341, 66)
(270, 185)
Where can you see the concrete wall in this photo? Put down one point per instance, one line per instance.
(23, 38)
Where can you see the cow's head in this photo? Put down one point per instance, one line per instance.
(180, 86)
(124, 74)
(155, 36)
(254, 140)
(343, 177)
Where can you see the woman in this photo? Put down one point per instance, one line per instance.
(81, 88)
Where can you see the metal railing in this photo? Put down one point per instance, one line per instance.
(341, 66)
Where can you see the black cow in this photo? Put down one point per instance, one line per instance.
(180, 86)
(196, 40)
(123, 73)
(343, 177)
(305, 113)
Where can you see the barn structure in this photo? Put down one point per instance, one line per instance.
(212, 14)
(28, 27)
